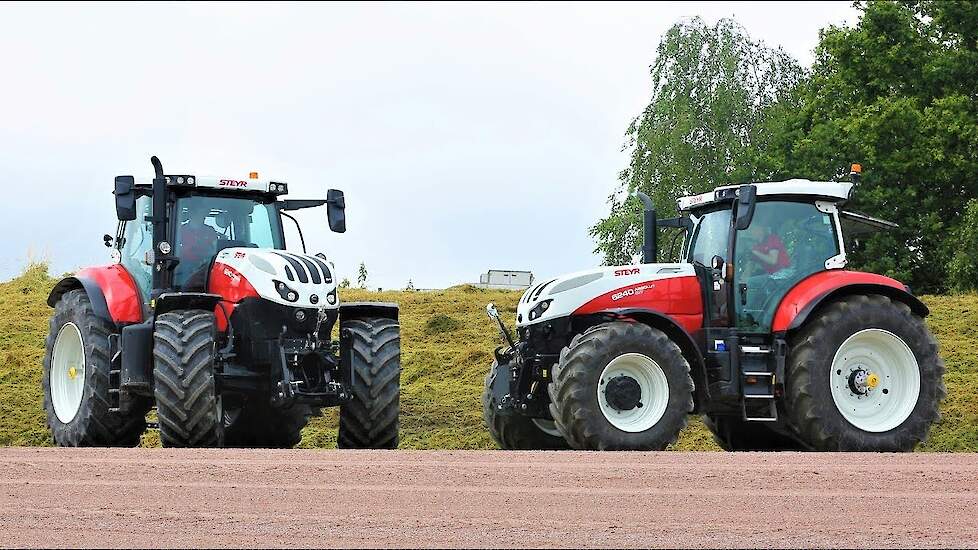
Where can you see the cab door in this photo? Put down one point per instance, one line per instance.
(136, 247)
(785, 242)
(709, 237)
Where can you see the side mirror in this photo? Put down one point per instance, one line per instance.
(746, 202)
(125, 198)
(336, 210)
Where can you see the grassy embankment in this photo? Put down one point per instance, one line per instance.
(447, 346)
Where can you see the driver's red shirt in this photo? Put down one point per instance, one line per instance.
(773, 242)
(198, 243)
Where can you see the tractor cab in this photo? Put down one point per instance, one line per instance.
(760, 241)
(203, 216)
(204, 224)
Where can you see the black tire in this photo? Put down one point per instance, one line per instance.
(93, 425)
(514, 431)
(370, 419)
(186, 397)
(573, 392)
(809, 398)
(733, 434)
(259, 425)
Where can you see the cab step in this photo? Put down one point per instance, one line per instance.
(761, 374)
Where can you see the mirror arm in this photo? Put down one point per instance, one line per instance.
(300, 204)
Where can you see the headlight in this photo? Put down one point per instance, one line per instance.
(580, 280)
(331, 297)
(539, 309)
(285, 292)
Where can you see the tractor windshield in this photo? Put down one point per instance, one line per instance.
(206, 225)
(710, 236)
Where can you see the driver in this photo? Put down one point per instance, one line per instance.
(767, 256)
(768, 249)
(198, 240)
(197, 245)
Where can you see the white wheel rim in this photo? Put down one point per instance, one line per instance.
(67, 375)
(654, 388)
(892, 400)
(547, 426)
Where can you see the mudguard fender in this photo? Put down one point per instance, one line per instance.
(825, 286)
(112, 291)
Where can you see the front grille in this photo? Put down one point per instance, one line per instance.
(327, 276)
(313, 270)
(541, 287)
(297, 266)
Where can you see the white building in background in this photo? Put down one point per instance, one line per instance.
(506, 280)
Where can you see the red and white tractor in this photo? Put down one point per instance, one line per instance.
(205, 316)
(760, 328)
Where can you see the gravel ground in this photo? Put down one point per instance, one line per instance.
(303, 498)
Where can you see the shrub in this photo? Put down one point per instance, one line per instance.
(963, 269)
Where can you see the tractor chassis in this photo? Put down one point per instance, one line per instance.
(740, 375)
(288, 369)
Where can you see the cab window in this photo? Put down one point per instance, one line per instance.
(785, 242)
(137, 242)
(710, 235)
(207, 225)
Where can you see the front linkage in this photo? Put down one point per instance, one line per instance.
(519, 386)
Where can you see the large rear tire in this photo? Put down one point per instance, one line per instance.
(186, 397)
(75, 380)
(733, 434)
(864, 375)
(515, 431)
(263, 426)
(621, 386)
(370, 419)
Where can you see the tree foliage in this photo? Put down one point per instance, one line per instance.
(712, 96)
(897, 93)
(362, 276)
(963, 270)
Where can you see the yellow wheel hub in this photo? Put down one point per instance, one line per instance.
(872, 381)
(72, 373)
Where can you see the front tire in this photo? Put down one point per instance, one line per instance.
(621, 386)
(186, 397)
(75, 380)
(515, 431)
(864, 375)
(370, 419)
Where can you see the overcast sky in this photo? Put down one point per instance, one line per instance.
(466, 136)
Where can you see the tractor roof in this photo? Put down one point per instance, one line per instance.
(823, 190)
(224, 184)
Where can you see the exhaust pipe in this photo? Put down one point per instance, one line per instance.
(649, 229)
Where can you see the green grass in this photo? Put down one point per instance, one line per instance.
(447, 344)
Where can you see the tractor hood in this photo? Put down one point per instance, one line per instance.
(601, 289)
(286, 278)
